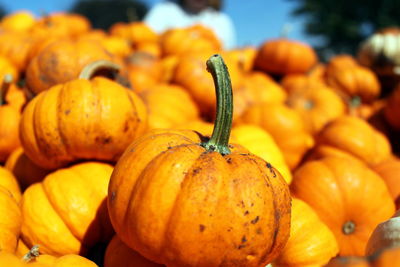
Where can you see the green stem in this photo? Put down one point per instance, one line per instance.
(223, 123)
(7, 80)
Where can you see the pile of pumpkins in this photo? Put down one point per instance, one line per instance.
(130, 148)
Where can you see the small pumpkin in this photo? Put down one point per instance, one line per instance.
(135, 32)
(389, 170)
(81, 119)
(119, 254)
(18, 21)
(349, 135)
(241, 203)
(284, 56)
(66, 213)
(349, 197)
(311, 242)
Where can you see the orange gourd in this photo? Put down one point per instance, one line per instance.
(80, 120)
(170, 197)
(311, 242)
(66, 213)
(349, 198)
(283, 56)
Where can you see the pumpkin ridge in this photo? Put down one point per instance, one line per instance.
(63, 138)
(134, 107)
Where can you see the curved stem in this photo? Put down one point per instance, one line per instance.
(223, 123)
(32, 253)
(99, 67)
(7, 80)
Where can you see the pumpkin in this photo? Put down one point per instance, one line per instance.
(283, 123)
(18, 21)
(171, 195)
(189, 40)
(66, 213)
(389, 170)
(349, 198)
(354, 82)
(24, 169)
(392, 109)
(349, 135)
(385, 235)
(62, 61)
(119, 254)
(317, 105)
(33, 258)
(81, 119)
(284, 56)
(9, 120)
(244, 56)
(311, 242)
(168, 105)
(295, 82)
(135, 32)
(151, 48)
(10, 218)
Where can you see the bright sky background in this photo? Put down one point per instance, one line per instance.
(255, 20)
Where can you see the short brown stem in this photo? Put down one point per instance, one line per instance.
(100, 68)
(7, 80)
(348, 227)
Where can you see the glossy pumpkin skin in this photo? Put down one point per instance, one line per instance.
(24, 169)
(352, 136)
(283, 56)
(81, 119)
(119, 254)
(311, 242)
(67, 213)
(170, 175)
(392, 109)
(168, 106)
(62, 61)
(283, 123)
(389, 170)
(349, 198)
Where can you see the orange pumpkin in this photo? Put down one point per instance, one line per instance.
(10, 218)
(352, 136)
(24, 169)
(135, 32)
(119, 254)
(170, 198)
(286, 127)
(311, 242)
(62, 61)
(283, 56)
(168, 105)
(81, 119)
(18, 21)
(66, 213)
(389, 170)
(244, 57)
(349, 198)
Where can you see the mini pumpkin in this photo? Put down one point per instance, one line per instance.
(389, 170)
(349, 197)
(170, 198)
(66, 213)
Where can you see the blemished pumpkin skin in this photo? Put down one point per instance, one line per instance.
(317, 105)
(168, 105)
(67, 213)
(256, 87)
(81, 119)
(349, 135)
(10, 219)
(62, 61)
(170, 197)
(24, 169)
(311, 242)
(252, 137)
(283, 56)
(392, 109)
(349, 198)
(189, 40)
(119, 254)
(389, 170)
(354, 81)
(283, 123)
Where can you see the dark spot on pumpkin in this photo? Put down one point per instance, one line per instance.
(197, 170)
(169, 147)
(241, 246)
(201, 227)
(103, 140)
(229, 229)
(259, 231)
(241, 204)
(269, 166)
(132, 150)
(244, 240)
(246, 212)
(67, 111)
(126, 127)
(252, 204)
(255, 220)
(230, 146)
(229, 160)
(113, 195)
